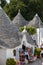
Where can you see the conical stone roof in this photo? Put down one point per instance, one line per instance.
(36, 22)
(19, 20)
(9, 34)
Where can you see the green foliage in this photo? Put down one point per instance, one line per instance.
(20, 5)
(30, 30)
(21, 29)
(10, 61)
(3, 3)
(12, 8)
(37, 51)
(28, 8)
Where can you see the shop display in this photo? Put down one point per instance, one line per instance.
(22, 57)
(26, 54)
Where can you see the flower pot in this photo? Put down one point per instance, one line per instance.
(38, 56)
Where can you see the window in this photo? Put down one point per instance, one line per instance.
(23, 47)
(14, 52)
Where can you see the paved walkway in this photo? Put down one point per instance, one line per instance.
(37, 62)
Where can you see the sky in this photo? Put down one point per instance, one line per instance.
(8, 1)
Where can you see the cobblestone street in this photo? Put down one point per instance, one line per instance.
(37, 62)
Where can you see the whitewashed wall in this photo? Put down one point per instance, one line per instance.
(9, 53)
(41, 36)
(2, 56)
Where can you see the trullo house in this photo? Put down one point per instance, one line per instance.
(26, 40)
(19, 20)
(9, 36)
(37, 23)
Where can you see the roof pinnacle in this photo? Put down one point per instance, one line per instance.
(19, 10)
(0, 1)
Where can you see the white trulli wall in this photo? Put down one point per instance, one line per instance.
(9, 53)
(39, 34)
(2, 56)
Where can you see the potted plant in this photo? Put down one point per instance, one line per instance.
(38, 50)
(10, 61)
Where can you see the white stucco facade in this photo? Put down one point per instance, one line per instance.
(39, 36)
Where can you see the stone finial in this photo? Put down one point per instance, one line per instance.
(19, 11)
(0, 4)
(0, 1)
(24, 30)
(24, 27)
(36, 14)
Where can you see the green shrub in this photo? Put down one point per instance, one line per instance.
(30, 30)
(21, 29)
(10, 61)
(37, 51)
